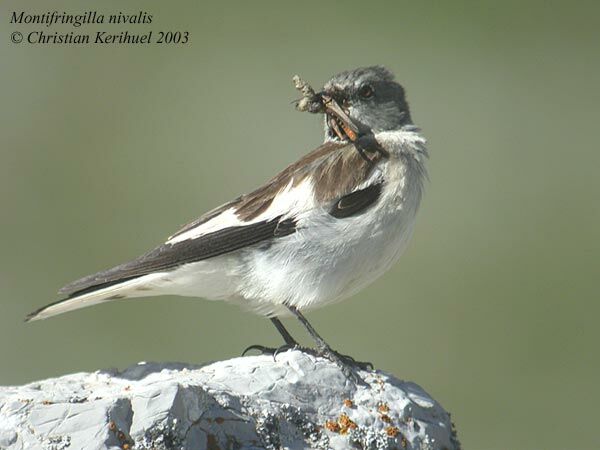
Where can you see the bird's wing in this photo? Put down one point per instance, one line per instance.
(332, 176)
(357, 201)
(169, 256)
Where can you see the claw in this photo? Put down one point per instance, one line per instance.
(346, 363)
(261, 348)
(270, 350)
(363, 365)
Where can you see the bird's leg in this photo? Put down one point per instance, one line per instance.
(285, 334)
(345, 362)
(290, 342)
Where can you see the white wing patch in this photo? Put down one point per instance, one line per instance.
(291, 201)
(226, 219)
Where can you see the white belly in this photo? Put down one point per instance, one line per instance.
(329, 259)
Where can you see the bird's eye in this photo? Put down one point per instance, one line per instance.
(366, 91)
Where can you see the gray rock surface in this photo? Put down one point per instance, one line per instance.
(296, 401)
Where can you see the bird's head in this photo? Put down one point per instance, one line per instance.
(369, 97)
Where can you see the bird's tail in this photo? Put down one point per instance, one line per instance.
(99, 293)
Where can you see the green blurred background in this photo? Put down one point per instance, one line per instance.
(104, 151)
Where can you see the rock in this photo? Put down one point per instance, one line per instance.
(296, 401)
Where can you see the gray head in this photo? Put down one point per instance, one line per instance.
(371, 97)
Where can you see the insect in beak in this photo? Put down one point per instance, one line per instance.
(338, 120)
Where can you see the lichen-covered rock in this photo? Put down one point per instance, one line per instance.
(296, 401)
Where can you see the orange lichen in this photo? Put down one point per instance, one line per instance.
(342, 425)
(112, 426)
(385, 418)
(348, 403)
(392, 431)
(332, 426)
(346, 423)
(383, 408)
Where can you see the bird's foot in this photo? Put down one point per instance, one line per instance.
(346, 363)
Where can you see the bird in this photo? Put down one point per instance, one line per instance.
(318, 232)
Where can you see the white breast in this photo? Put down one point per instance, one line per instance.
(330, 259)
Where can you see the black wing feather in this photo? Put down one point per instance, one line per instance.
(356, 202)
(170, 256)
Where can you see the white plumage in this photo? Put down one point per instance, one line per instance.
(324, 261)
(318, 232)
